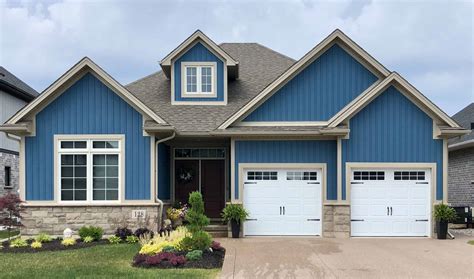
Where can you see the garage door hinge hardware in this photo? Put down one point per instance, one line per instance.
(313, 182)
(357, 182)
(250, 182)
(250, 219)
(421, 182)
(313, 220)
(357, 220)
(421, 220)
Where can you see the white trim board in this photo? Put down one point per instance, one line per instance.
(85, 65)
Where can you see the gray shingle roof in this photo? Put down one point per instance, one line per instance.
(10, 79)
(464, 118)
(258, 66)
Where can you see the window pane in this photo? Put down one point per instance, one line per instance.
(80, 172)
(99, 195)
(99, 171)
(80, 160)
(66, 172)
(67, 160)
(112, 195)
(80, 144)
(80, 183)
(99, 183)
(67, 195)
(191, 79)
(112, 171)
(67, 183)
(112, 160)
(111, 144)
(98, 144)
(80, 195)
(67, 144)
(99, 160)
(112, 183)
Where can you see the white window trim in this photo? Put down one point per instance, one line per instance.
(89, 151)
(199, 93)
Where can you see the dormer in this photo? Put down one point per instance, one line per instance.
(199, 71)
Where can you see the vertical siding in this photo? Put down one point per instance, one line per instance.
(199, 53)
(393, 129)
(9, 105)
(163, 172)
(87, 107)
(319, 91)
(300, 151)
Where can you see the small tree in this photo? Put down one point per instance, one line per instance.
(10, 211)
(195, 216)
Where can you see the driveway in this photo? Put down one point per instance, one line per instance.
(302, 257)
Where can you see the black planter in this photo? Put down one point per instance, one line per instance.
(442, 229)
(235, 228)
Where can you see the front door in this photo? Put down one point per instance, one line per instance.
(212, 186)
(186, 179)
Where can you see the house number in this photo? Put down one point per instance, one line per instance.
(138, 213)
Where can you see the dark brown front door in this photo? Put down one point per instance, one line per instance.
(186, 179)
(212, 186)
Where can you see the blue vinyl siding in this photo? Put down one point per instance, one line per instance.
(319, 91)
(87, 107)
(393, 129)
(199, 53)
(299, 151)
(164, 172)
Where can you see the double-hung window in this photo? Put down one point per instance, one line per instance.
(89, 170)
(199, 79)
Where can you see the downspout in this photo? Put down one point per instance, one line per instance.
(156, 180)
(12, 137)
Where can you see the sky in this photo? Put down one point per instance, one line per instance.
(430, 43)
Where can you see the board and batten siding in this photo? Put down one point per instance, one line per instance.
(87, 107)
(9, 105)
(199, 53)
(393, 129)
(319, 91)
(289, 151)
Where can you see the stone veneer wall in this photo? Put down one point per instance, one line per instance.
(54, 219)
(8, 159)
(336, 221)
(461, 177)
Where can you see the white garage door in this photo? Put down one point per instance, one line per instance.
(283, 202)
(390, 202)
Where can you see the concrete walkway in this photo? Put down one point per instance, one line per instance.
(301, 257)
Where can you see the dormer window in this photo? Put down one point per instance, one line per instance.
(199, 79)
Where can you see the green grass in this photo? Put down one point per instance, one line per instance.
(4, 234)
(470, 242)
(104, 261)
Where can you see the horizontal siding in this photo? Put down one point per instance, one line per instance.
(199, 53)
(319, 91)
(164, 182)
(87, 107)
(9, 105)
(393, 129)
(299, 151)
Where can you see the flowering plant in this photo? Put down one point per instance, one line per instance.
(175, 213)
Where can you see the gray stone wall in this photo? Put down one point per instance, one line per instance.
(12, 161)
(336, 221)
(54, 219)
(461, 177)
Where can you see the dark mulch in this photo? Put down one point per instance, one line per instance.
(54, 245)
(209, 260)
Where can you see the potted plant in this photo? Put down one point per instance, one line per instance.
(177, 213)
(443, 215)
(235, 214)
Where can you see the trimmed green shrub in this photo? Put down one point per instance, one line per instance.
(195, 216)
(198, 241)
(194, 255)
(18, 243)
(43, 238)
(94, 232)
(114, 239)
(169, 249)
(131, 239)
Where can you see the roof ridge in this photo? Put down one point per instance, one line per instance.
(259, 44)
(142, 78)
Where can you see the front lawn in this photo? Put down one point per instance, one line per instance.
(104, 261)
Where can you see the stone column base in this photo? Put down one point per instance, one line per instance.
(336, 221)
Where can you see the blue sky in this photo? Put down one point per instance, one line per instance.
(430, 43)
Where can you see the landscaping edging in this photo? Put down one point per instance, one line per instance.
(54, 245)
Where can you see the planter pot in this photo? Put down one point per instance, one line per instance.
(442, 229)
(235, 228)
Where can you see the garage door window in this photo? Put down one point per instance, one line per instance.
(262, 175)
(409, 175)
(300, 175)
(369, 175)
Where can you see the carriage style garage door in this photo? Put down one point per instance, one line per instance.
(283, 202)
(390, 202)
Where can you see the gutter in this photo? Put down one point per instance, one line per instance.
(461, 145)
(12, 137)
(157, 200)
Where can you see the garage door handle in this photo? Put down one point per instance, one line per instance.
(357, 220)
(250, 219)
(313, 183)
(422, 183)
(250, 182)
(280, 210)
(421, 220)
(313, 220)
(357, 182)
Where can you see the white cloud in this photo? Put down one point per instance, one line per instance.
(430, 43)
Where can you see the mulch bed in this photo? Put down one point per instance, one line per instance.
(54, 245)
(209, 260)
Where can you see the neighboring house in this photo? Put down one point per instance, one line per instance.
(14, 94)
(333, 144)
(461, 161)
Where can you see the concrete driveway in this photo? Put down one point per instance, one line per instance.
(301, 257)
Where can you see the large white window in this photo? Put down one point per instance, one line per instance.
(199, 79)
(89, 169)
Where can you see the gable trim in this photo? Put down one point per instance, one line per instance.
(405, 88)
(336, 37)
(80, 69)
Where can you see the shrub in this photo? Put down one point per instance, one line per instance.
(443, 212)
(154, 248)
(216, 246)
(10, 211)
(198, 241)
(174, 259)
(36, 244)
(141, 231)
(131, 239)
(194, 255)
(43, 238)
(88, 239)
(68, 241)
(169, 249)
(114, 239)
(234, 212)
(123, 232)
(195, 215)
(18, 243)
(94, 232)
